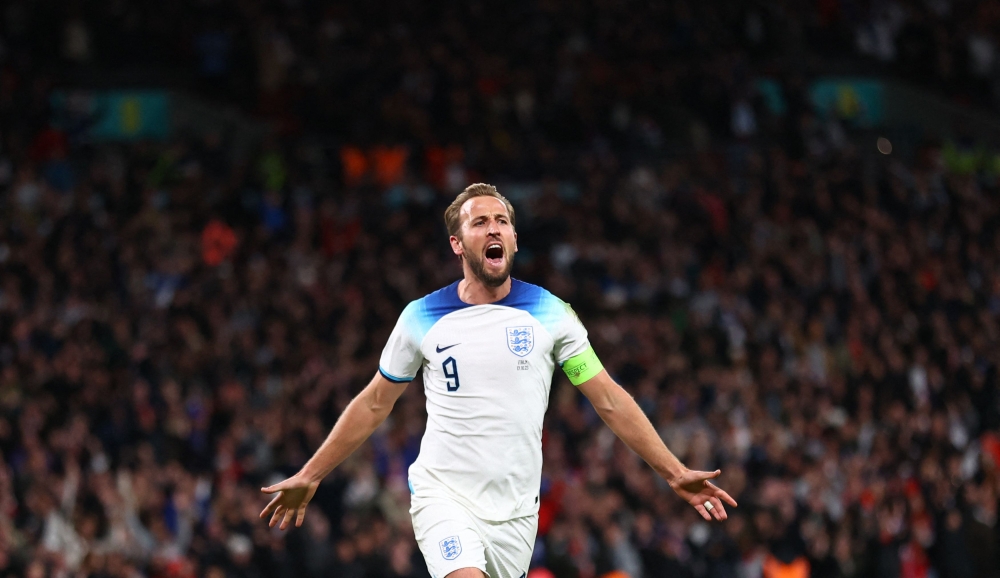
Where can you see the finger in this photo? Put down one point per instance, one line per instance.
(697, 476)
(289, 514)
(301, 516)
(269, 508)
(275, 488)
(278, 513)
(719, 511)
(711, 475)
(704, 513)
(722, 495)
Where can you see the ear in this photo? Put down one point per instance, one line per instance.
(515, 241)
(456, 245)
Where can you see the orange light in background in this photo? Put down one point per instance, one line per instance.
(355, 165)
(390, 164)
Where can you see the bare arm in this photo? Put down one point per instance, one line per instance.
(620, 412)
(360, 419)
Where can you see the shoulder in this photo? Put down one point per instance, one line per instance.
(421, 314)
(537, 302)
(525, 295)
(439, 303)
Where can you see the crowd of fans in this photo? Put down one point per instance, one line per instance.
(177, 332)
(179, 328)
(507, 81)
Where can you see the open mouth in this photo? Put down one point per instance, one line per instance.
(494, 254)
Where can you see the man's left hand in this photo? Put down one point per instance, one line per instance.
(696, 489)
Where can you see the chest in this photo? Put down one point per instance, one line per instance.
(486, 350)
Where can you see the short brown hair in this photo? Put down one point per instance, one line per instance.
(451, 219)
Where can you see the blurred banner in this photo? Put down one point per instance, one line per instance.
(871, 103)
(91, 116)
(854, 100)
(112, 115)
(858, 101)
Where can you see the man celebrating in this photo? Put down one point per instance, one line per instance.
(488, 345)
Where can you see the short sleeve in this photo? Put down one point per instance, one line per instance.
(569, 334)
(401, 358)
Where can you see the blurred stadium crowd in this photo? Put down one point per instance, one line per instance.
(444, 72)
(179, 328)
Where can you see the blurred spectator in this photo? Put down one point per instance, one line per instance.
(177, 329)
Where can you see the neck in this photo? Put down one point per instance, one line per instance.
(474, 292)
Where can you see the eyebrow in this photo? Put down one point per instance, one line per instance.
(494, 215)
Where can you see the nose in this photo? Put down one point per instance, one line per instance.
(493, 229)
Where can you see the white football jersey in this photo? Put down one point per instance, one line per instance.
(487, 372)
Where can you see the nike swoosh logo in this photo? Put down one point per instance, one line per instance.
(439, 349)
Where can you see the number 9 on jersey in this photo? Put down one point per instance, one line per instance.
(450, 368)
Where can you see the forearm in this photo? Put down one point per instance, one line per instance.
(360, 419)
(626, 419)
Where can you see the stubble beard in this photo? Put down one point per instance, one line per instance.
(478, 267)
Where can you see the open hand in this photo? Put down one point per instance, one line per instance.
(292, 497)
(696, 489)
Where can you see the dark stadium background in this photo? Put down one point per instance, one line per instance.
(779, 221)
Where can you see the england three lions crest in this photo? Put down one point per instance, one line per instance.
(451, 547)
(520, 340)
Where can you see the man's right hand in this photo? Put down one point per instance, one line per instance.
(292, 497)
(361, 417)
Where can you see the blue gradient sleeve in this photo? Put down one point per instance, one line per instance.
(568, 333)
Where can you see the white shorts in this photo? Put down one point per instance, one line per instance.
(451, 537)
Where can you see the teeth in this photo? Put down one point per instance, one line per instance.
(495, 245)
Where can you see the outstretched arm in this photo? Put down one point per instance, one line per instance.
(363, 415)
(617, 408)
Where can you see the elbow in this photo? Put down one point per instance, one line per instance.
(378, 405)
(613, 403)
(607, 406)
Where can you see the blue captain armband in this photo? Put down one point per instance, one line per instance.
(582, 367)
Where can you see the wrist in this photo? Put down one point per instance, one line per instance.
(311, 473)
(673, 475)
